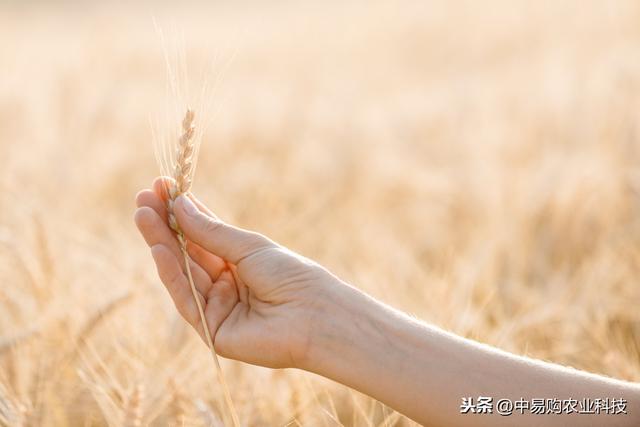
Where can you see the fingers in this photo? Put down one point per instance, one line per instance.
(151, 199)
(221, 300)
(243, 290)
(155, 231)
(161, 186)
(207, 268)
(176, 283)
(201, 206)
(212, 264)
(228, 242)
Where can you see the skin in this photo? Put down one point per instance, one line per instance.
(269, 306)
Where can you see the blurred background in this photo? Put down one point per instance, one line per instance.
(475, 164)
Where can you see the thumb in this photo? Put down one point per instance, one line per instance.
(230, 243)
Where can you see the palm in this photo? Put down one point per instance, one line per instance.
(255, 323)
(257, 309)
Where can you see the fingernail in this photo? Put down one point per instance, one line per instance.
(188, 206)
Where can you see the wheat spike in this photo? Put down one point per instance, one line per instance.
(132, 414)
(183, 175)
(177, 406)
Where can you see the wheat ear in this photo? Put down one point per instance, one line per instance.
(183, 175)
(132, 415)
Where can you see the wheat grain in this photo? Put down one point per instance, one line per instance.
(177, 405)
(132, 415)
(182, 174)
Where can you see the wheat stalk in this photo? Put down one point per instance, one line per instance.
(183, 170)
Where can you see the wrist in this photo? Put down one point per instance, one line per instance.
(368, 346)
(340, 325)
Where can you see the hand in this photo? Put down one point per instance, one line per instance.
(260, 299)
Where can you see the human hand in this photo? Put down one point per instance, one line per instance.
(259, 298)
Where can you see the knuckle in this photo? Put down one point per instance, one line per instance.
(175, 280)
(211, 226)
(255, 242)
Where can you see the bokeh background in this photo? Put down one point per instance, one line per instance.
(475, 164)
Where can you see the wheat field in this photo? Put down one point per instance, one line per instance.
(476, 164)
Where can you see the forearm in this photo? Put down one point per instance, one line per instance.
(425, 372)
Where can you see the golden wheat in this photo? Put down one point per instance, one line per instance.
(182, 178)
(132, 414)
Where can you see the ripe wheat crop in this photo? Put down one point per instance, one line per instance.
(475, 164)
